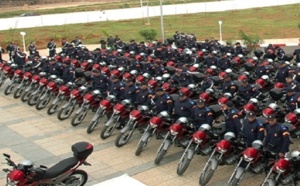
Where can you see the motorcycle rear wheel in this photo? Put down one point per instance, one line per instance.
(77, 178)
(65, 113)
(183, 164)
(123, 138)
(78, 118)
(207, 174)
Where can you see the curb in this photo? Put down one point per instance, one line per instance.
(281, 45)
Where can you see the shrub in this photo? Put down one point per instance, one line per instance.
(148, 34)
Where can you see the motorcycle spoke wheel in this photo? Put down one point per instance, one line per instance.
(107, 131)
(32, 100)
(42, 103)
(123, 138)
(18, 93)
(77, 178)
(52, 109)
(140, 148)
(25, 96)
(65, 113)
(207, 174)
(93, 124)
(78, 118)
(8, 89)
(183, 164)
(160, 155)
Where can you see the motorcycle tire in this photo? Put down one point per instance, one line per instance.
(234, 182)
(78, 118)
(52, 109)
(183, 164)
(25, 96)
(270, 182)
(65, 113)
(141, 146)
(206, 175)
(40, 104)
(160, 156)
(18, 92)
(32, 100)
(108, 130)
(93, 124)
(8, 89)
(123, 138)
(77, 178)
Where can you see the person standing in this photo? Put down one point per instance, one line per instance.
(52, 48)
(32, 49)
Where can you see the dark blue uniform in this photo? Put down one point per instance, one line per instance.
(158, 70)
(209, 61)
(130, 92)
(100, 82)
(117, 89)
(143, 97)
(52, 48)
(294, 85)
(164, 103)
(282, 73)
(232, 121)
(55, 69)
(247, 92)
(223, 63)
(202, 116)
(293, 101)
(229, 87)
(183, 108)
(68, 74)
(207, 83)
(183, 80)
(19, 59)
(277, 138)
(261, 70)
(253, 131)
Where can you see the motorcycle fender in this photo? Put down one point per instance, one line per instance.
(146, 136)
(81, 109)
(124, 129)
(66, 105)
(56, 100)
(214, 163)
(191, 153)
(28, 89)
(167, 144)
(111, 120)
(271, 182)
(44, 96)
(239, 172)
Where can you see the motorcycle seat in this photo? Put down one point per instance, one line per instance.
(60, 167)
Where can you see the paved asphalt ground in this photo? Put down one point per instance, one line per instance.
(26, 133)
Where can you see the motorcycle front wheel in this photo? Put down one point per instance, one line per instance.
(94, 122)
(183, 164)
(40, 104)
(65, 113)
(160, 156)
(77, 178)
(78, 118)
(52, 109)
(25, 96)
(123, 138)
(206, 175)
(32, 100)
(18, 92)
(108, 129)
(9, 89)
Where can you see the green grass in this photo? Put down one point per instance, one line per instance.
(272, 22)
(100, 6)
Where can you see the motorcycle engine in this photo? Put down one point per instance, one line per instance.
(288, 179)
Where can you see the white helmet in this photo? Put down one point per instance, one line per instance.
(265, 77)
(254, 58)
(196, 65)
(213, 67)
(297, 111)
(182, 120)
(273, 106)
(134, 72)
(240, 55)
(270, 60)
(228, 54)
(227, 95)
(298, 65)
(228, 71)
(191, 86)
(166, 76)
(295, 154)
(253, 100)
(205, 127)
(257, 144)
(229, 135)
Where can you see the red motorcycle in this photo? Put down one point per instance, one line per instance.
(137, 118)
(105, 108)
(24, 83)
(120, 112)
(177, 134)
(158, 125)
(63, 94)
(225, 152)
(34, 84)
(253, 159)
(293, 121)
(90, 101)
(7, 71)
(50, 92)
(201, 142)
(33, 98)
(284, 170)
(17, 78)
(65, 172)
(76, 97)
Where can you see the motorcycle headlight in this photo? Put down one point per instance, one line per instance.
(132, 117)
(86, 100)
(116, 111)
(279, 170)
(11, 182)
(221, 150)
(248, 159)
(173, 133)
(102, 107)
(197, 140)
(153, 125)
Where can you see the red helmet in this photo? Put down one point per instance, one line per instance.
(209, 71)
(105, 70)
(65, 59)
(223, 100)
(185, 91)
(200, 54)
(138, 57)
(290, 118)
(152, 84)
(115, 52)
(249, 107)
(205, 96)
(222, 75)
(268, 111)
(260, 82)
(179, 50)
(170, 64)
(57, 58)
(237, 59)
(166, 87)
(96, 67)
(242, 77)
(84, 65)
(139, 79)
(75, 63)
(126, 75)
(127, 54)
(150, 59)
(193, 69)
(250, 60)
(278, 85)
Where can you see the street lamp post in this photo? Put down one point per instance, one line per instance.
(220, 29)
(162, 23)
(23, 38)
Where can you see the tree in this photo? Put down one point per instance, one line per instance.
(250, 40)
(148, 34)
